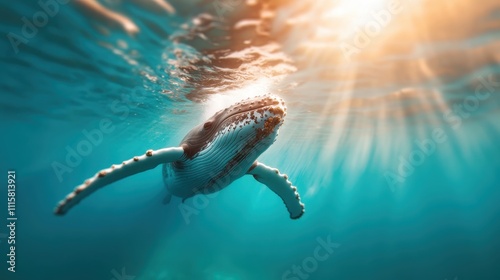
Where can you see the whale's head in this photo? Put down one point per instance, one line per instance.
(246, 128)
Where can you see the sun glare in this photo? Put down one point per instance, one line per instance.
(355, 10)
(344, 18)
(217, 102)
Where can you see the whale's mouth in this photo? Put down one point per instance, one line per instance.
(267, 107)
(264, 114)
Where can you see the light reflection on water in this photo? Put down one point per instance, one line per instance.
(387, 73)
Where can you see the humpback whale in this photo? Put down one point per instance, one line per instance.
(210, 157)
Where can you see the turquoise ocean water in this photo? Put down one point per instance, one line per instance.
(392, 140)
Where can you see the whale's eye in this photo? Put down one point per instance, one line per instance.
(207, 125)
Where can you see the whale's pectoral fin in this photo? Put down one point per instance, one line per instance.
(280, 185)
(116, 172)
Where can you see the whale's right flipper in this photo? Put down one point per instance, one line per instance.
(280, 185)
(117, 172)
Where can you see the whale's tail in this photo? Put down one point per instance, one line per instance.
(167, 199)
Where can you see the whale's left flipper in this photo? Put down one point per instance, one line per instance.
(280, 185)
(116, 172)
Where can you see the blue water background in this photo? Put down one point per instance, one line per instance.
(441, 222)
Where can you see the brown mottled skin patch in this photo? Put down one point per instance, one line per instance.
(268, 128)
(199, 137)
(102, 173)
(136, 158)
(149, 153)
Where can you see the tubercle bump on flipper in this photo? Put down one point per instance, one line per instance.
(99, 175)
(297, 196)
